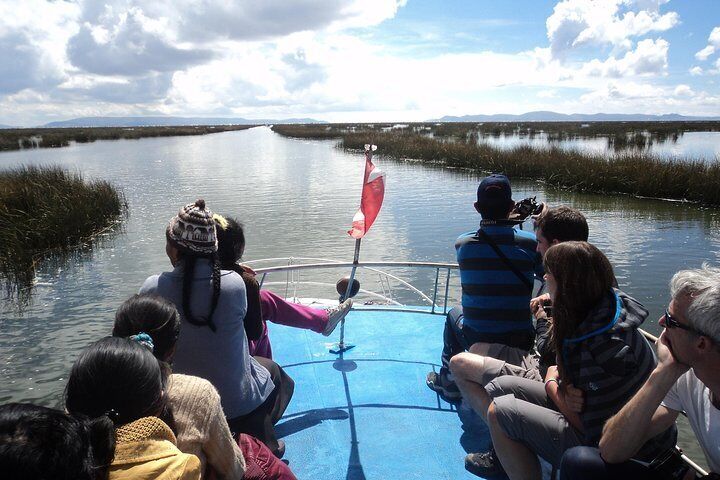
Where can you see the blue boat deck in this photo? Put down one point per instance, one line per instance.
(367, 413)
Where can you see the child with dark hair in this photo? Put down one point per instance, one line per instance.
(264, 305)
(212, 304)
(199, 420)
(560, 224)
(119, 383)
(39, 443)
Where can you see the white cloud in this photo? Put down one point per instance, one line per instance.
(683, 91)
(623, 91)
(712, 46)
(579, 23)
(630, 97)
(32, 41)
(649, 58)
(126, 46)
(695, 71)
(547, 94)
(210, 20)
(705, 53)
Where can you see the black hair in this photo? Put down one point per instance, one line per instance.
(120, 379)
(494, 210)
(231, 242)
(563, 224)
(39, 443)
(151, 314)
(188, 259)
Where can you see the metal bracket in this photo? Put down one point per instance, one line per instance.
(341, 347)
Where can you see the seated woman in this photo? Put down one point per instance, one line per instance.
(212, 303)
(199, 420)
(602, 361)
(264, 305)
(39, 443)
(118, 381)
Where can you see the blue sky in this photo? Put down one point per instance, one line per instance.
(356, 60)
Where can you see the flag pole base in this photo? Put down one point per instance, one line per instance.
(341, 347)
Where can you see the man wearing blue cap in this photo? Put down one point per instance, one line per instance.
(498, 265)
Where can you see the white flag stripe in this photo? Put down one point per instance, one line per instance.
(375, 174)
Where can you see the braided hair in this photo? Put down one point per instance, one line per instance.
(192, 232)
(189, 271)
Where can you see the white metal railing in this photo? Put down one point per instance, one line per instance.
(290, 267)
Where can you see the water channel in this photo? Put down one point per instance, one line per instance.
(296, 198)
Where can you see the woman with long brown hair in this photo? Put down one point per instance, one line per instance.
(602, 360)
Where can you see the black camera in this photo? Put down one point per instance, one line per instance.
(525, 208)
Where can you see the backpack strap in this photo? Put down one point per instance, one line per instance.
(506, 260)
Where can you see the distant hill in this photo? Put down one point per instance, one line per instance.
(545, 116)
(5, 126)
(166, 121)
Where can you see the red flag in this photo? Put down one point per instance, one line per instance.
(373, 193)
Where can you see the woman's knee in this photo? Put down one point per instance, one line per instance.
(581, 463)
(460, 363)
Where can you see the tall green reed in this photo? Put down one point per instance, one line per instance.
(629, 173)
(44, 211)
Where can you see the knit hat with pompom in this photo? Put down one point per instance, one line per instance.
(192, 230)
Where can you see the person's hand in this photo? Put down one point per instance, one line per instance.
(539, 301)
(574, 398)
(537, 304)
(552, 372)
(247, 269)
(667, 362)
(543, 210)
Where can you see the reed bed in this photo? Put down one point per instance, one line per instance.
(620, 134)
(631, 173)
(46, 210)
(657, 130)
(20, 138)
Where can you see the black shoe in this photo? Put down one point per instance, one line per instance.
(439, 383)
(484, 464)
(280, 451)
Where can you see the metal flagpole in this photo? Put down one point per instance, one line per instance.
(341, 345)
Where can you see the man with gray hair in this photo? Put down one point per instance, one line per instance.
(687, 378)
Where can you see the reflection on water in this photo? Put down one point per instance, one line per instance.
(297, 198)
(703, 146)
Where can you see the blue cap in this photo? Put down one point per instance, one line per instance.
(494, 189)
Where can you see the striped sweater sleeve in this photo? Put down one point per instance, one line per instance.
(614, 369)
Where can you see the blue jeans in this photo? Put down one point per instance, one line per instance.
(585, 463)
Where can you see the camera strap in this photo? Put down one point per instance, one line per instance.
(506, 260)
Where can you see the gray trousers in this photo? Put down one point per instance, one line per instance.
(526, 415)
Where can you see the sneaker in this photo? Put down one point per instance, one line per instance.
(439, 383)
(335, 314)
(280, 451)
(484, 464)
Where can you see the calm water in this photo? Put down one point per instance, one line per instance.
(296, 198)
(691, 145)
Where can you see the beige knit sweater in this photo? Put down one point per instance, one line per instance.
(202, 428)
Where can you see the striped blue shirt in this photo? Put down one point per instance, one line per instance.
(494, 300)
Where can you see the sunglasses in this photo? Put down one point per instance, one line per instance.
(671, 322)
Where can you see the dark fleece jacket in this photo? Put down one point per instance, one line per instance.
(608, 358)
